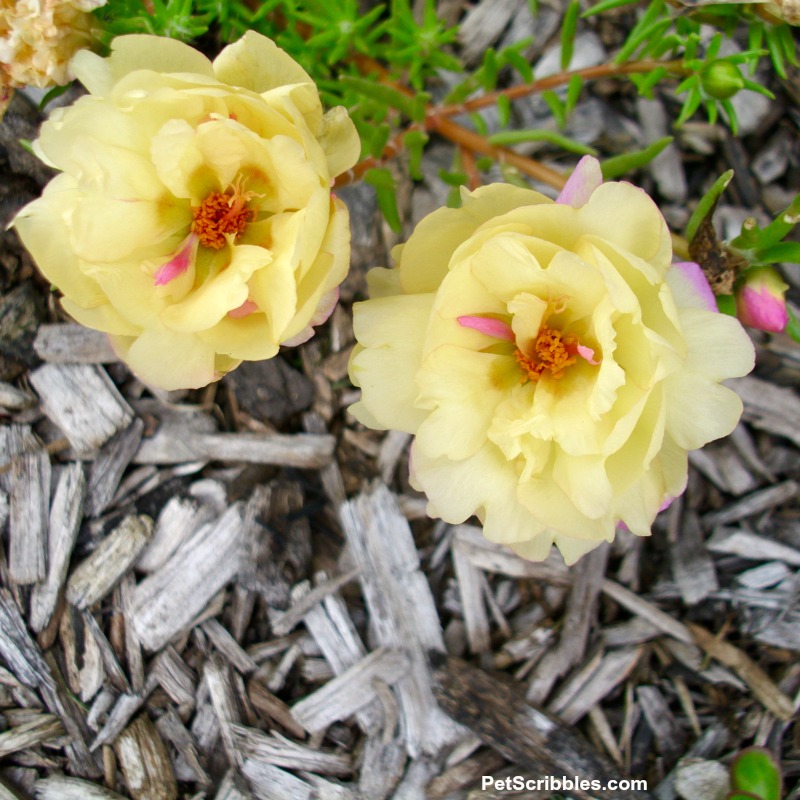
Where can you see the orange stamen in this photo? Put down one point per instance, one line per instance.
(553, 351)
(222, 213)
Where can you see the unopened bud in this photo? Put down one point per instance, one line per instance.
(760, 301)
(721, 79)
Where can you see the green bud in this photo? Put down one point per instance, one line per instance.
(721, 79)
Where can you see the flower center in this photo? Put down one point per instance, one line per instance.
(222, 213)
(552, 350)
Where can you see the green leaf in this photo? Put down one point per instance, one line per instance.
(454, 197)
(730, 111)
(574, 89)
(569, 27)
(606, 5)
(628, 162)
(648, 28)
(381, 93)
(479, 121)
(415, 142)
(505, 138)
(556, 106)
(783, 251)
(707, 203)
(775, 48)
(726, 303)
(793, 328)
(453, 178)
(386, 192)
(649, 81)
(518, 61)
(56, 91)
(773, 233)
(755, 771)
(489, 70)
(503, 110)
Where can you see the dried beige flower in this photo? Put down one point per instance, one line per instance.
(39, 37)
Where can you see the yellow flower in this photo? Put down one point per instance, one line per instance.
(553, 366)
(193, 220)
(39, 37)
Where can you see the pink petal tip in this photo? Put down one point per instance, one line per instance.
(697, 280)
(585, 178)
(179, 263)
(488, 325)
(244, 310)
(587, 354)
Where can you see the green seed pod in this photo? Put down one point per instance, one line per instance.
(721, 79)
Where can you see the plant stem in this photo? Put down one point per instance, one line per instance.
(559, 79)
(436, 119)
(478, 144)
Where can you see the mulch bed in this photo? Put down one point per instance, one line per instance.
(234, 593)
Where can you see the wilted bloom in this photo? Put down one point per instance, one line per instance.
(193, 220)
(39, 37)
(553, 366)
(760, 301)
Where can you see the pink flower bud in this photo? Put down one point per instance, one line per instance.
(760, 301)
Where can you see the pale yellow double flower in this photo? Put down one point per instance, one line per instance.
(193, 219)
(553, 365)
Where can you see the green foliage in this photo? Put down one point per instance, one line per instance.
(711, 80)
(568, 29)
(763, 246)
(385, 189)
(385, 65)
(755, 776)
(505, 138)
(707, 204)
(176, 19)
(628, 162)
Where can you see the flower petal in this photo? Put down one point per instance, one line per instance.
(585, 178)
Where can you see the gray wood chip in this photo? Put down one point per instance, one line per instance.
(769, 407)
(473, 607)
(752, 546)
(73, 344)
(83, 402)
(171, 728)
(61, 788)
(351, 691)
(581, 612)
(272, 783)
(63, 527)
(402, 610)
(145, 762)
(692, 566)
(577, 696)
(29, 504)
(107, 468)
(179, 519)
(279, 751)
(670, 738)
(96, 576)
(218, 680)
(168, 600)
(29, 734)
(303, 450)
(499, 714)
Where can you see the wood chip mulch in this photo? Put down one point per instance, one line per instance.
(234, 594)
